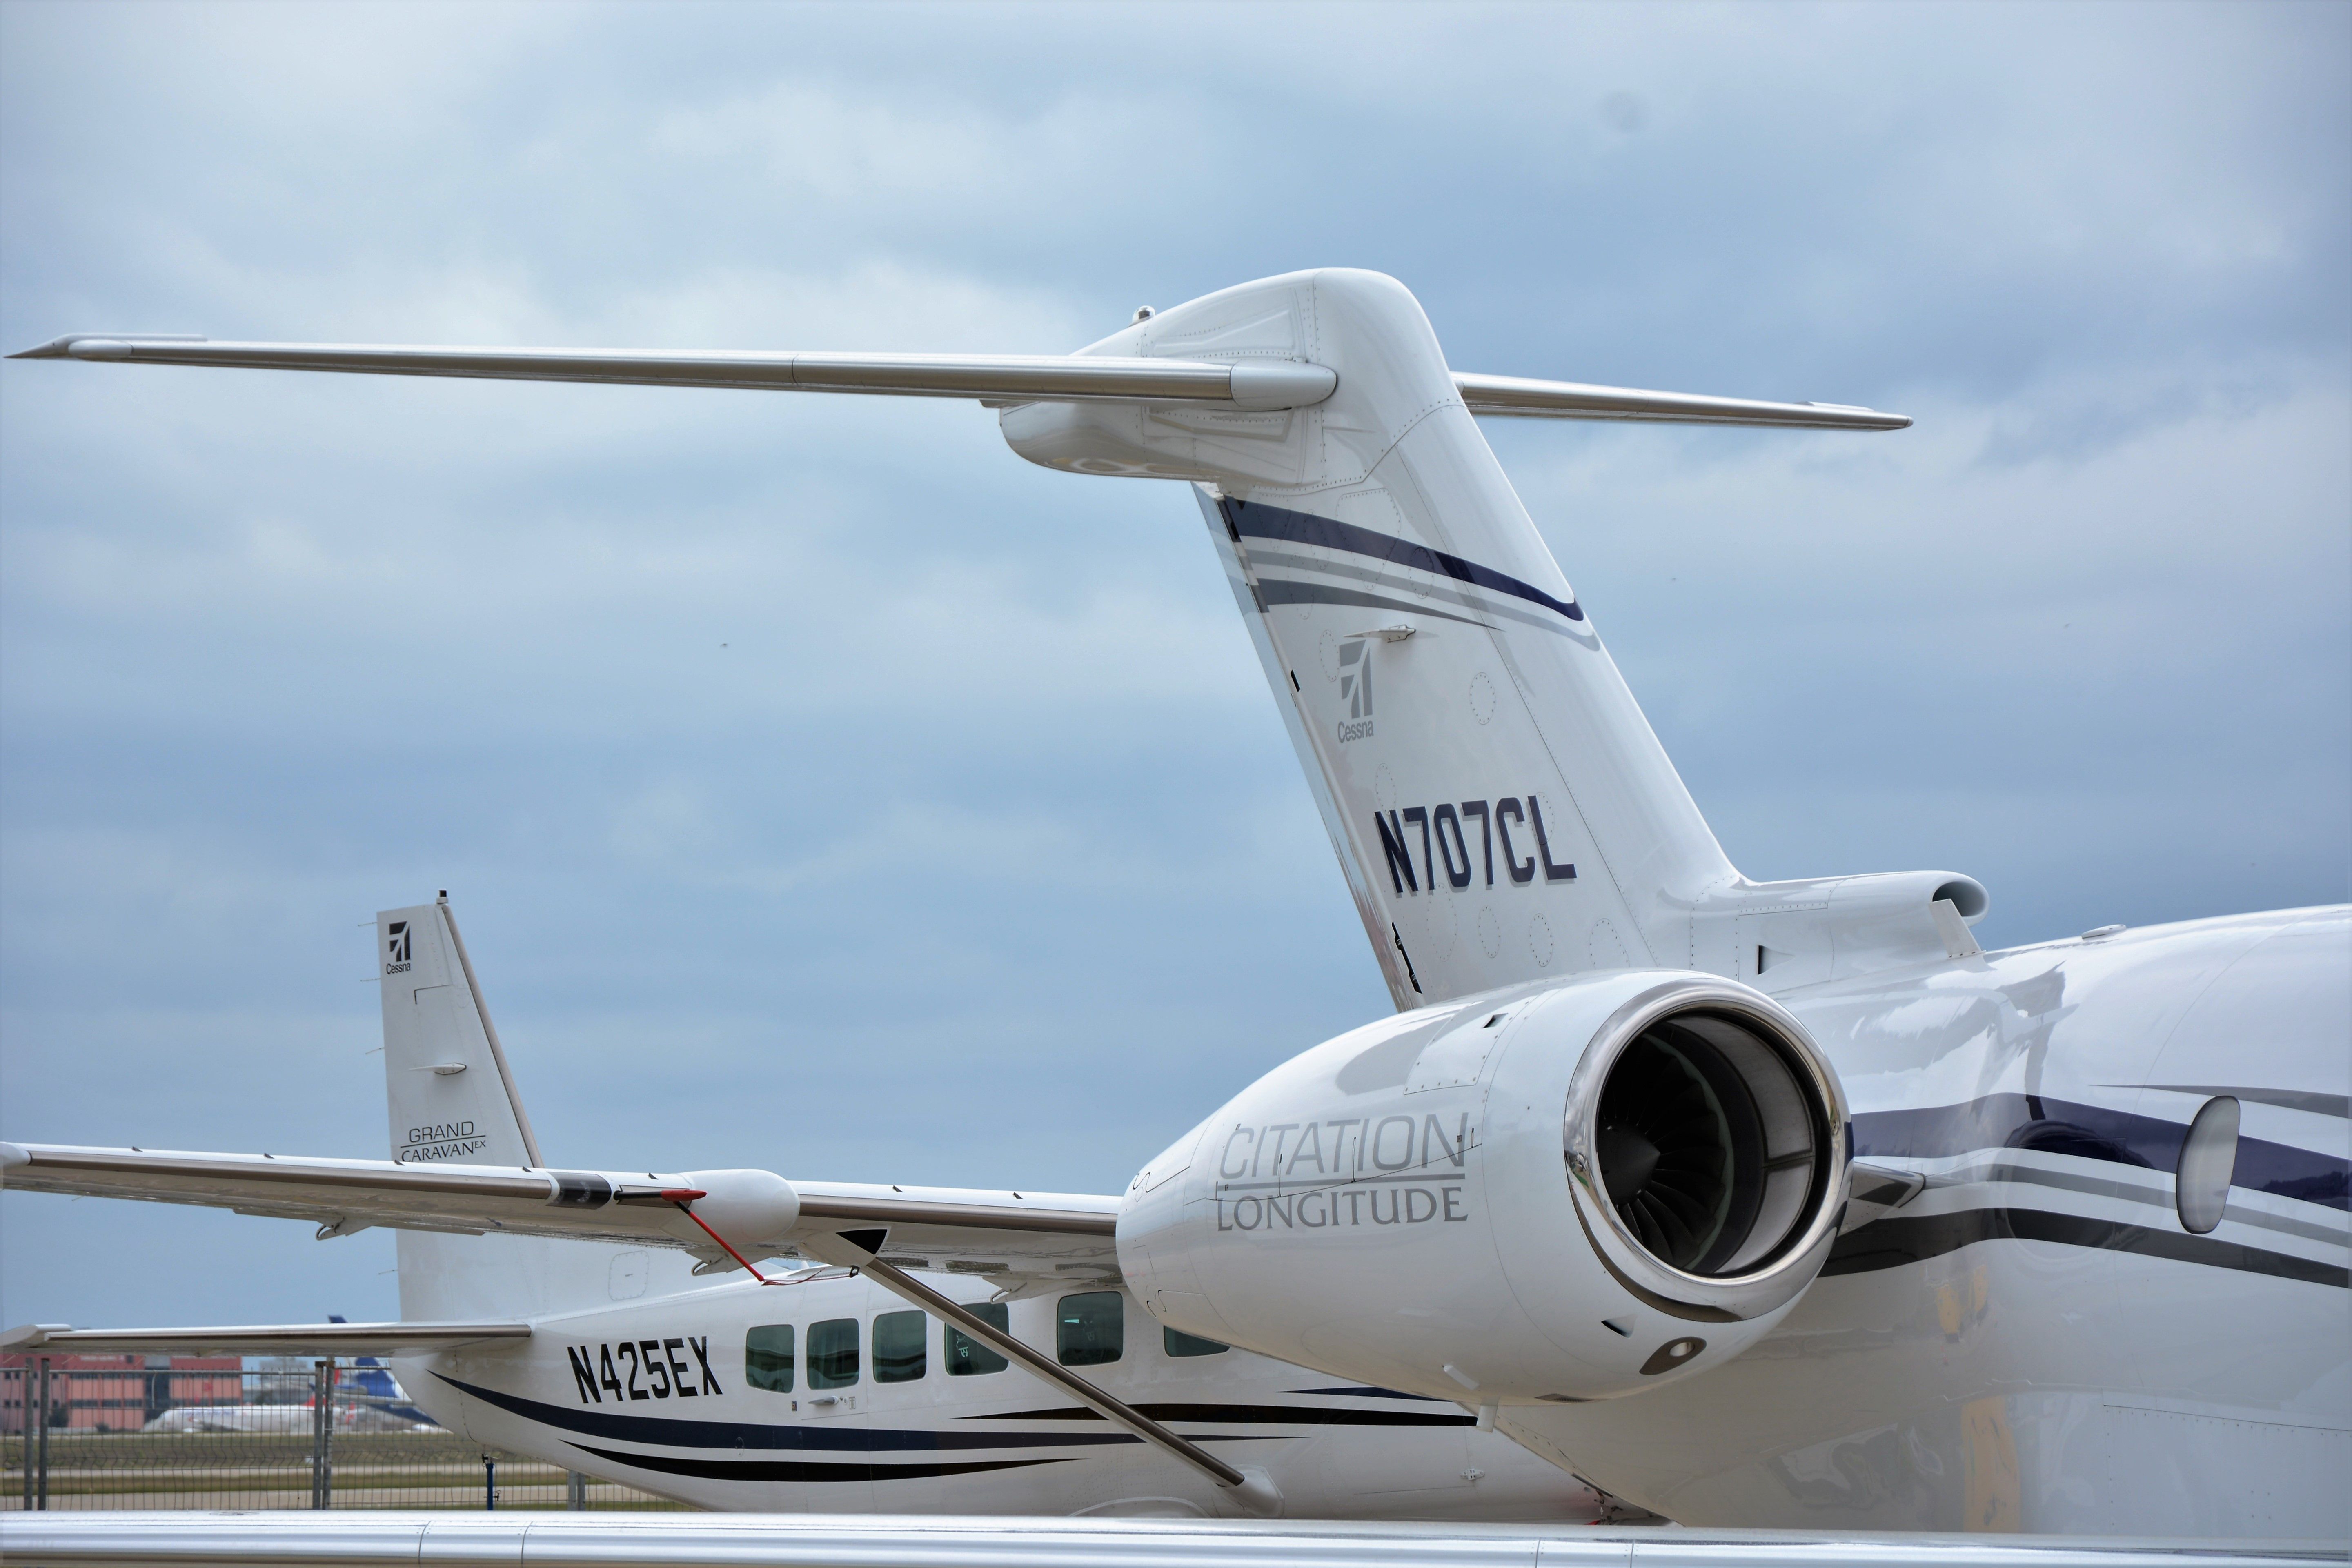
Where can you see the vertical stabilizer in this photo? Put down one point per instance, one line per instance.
(1500, 806)
(451, 1094)
(452, 1099)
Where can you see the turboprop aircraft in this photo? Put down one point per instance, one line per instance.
(1757, 1204)
(826, 1392)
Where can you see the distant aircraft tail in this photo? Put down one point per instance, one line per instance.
(1501, 807)
(371, 1380)
(452, 1097)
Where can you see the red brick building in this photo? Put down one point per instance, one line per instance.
(116, 1392)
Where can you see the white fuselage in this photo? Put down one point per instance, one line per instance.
(2038, 1341)
(991, 1442)
(2035, 1342)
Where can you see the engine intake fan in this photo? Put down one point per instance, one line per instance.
(1704, 1126)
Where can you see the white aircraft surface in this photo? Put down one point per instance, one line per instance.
(279, 1420)
(1757, 1204)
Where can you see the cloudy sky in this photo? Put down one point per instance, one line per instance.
(823, 788)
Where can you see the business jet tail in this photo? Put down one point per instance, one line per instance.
(1501, 808)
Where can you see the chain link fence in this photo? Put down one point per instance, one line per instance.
(128, 1437)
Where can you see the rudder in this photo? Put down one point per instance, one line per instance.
(450, 1094)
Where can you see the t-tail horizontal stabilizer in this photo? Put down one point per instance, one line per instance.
(1244, 385)
(1500, 807)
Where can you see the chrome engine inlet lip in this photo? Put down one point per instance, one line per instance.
(1696, 1296)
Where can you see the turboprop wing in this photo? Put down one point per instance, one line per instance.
(726, 1217)
(259, 1339)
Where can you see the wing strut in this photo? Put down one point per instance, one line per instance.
(1253, 1488)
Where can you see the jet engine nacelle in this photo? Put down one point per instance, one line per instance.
(1567, 1192)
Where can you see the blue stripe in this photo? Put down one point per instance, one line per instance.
(746, 1434)
(1899, 1239)
(1254, 1415)
(1261, 522)
(776, 1471)
(2092, 1132)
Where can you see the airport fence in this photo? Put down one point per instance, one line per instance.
(128, 1437)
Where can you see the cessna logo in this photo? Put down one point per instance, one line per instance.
(1355, 690)
(1443, 839)
(396, 948)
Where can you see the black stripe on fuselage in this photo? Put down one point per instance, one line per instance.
(1257, 521)
(2092, 1132)
(827, 1435)
(1255, 1414)
(1896, 1240)
(805, 1470)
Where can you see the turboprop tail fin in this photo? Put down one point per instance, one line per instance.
(452, 1099)
(451, 1094)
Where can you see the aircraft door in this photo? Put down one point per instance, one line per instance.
(812, 1378)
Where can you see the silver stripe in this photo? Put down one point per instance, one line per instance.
(2285, 1098)
(804, 1541)
(1329, 593)
(2106, 1187)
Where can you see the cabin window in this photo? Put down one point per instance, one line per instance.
(898, 1352)
(768, 1358)
(1185, 1344)
(1091, 1328)
(833, 1353)
(966, 1357)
